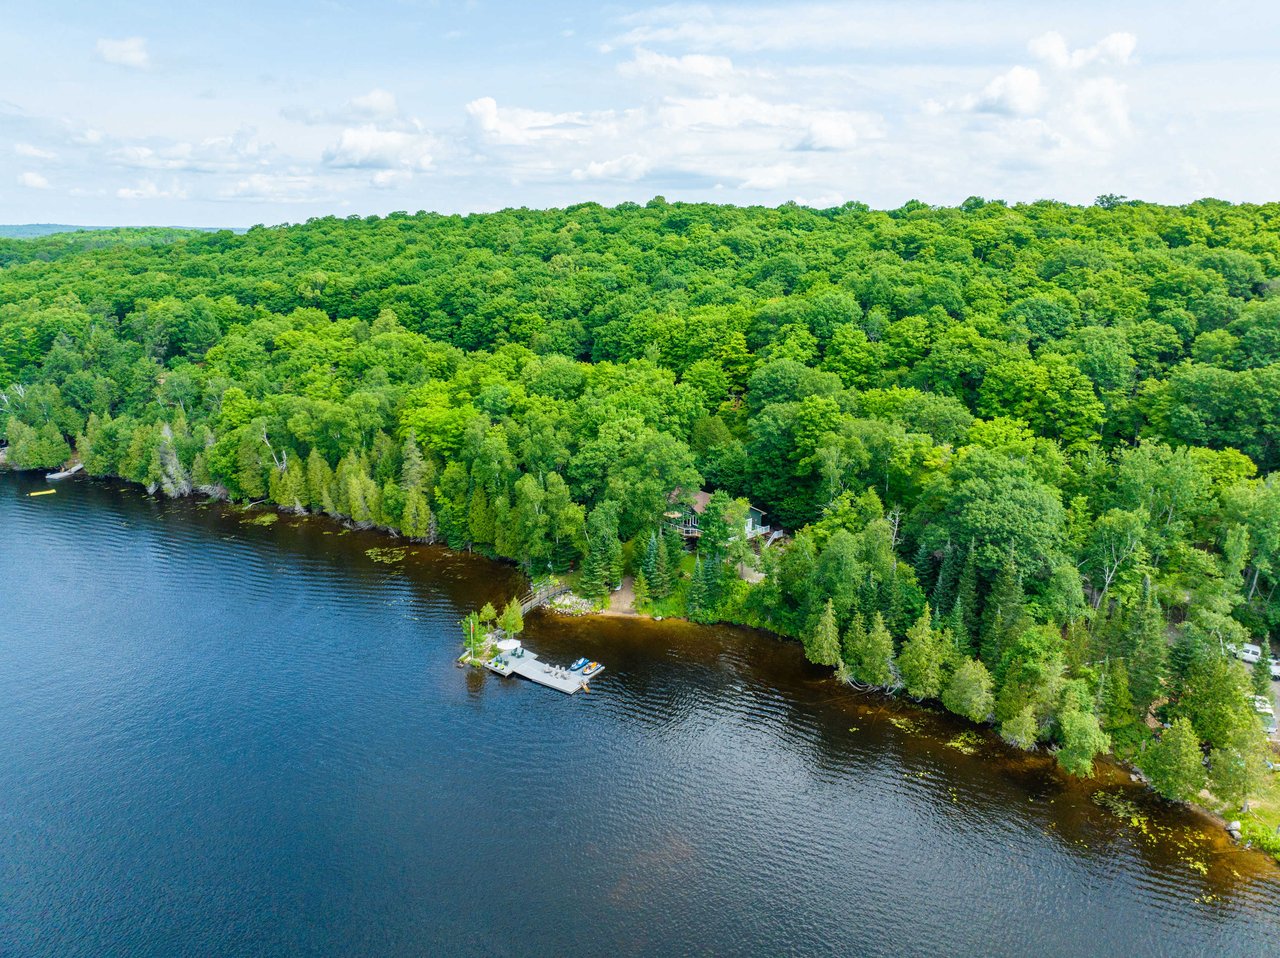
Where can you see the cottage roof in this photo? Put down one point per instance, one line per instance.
(701, 499)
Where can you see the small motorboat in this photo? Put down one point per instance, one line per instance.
(591, 668)
(578, 665)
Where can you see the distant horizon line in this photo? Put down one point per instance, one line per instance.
(1119, 200)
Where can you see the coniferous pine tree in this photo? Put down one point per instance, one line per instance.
(1119, 715)
(1175, 764)
(963, 619)
(1145, 649)
(663, 577)
(1021, 729)
(640, 588)
(967, 692)
(944, 588)
(1004, 615)
(697, 591)
(823, 647)
(854, 642)
(921, 659)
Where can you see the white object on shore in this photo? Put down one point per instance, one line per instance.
(54, 476)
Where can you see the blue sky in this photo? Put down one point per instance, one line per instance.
(233, 113)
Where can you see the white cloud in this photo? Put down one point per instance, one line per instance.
(33, 181)
(514, 126)
(375, 103)
(216, 154)
(150, 190)
(277, 188)
(1099, 112)
(367, 147)
(1069, 115)
(390, 179)
(632, 166)
(129, 52)
(739, 138)
(809, 27)
(646, 63)
(33, 152)
(1018, 92)
(1115, 49)
(377, 106)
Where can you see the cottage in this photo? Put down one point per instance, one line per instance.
(685, 519)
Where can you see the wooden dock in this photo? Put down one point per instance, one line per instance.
(529, 666)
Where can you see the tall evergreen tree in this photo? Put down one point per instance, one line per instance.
(854, 642)
(944, 587)
(663, 574)
(415, 515)
(697, 599)
(649, 562)
(1119, 714)
(1261, 676)
(823, 645)
(967, 692)
(1175, 764)
(873, 662)
(319, 484)
(920, 661)
(1004, 615)
(1145, 649)
(963, 619)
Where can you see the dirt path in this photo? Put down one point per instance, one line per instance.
(622, 602)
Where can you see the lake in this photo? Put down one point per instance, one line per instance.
(221, 737)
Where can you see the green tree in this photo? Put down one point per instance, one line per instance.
(1216, 699)
(640, 588)
(869, 652)
(1021, 728)
(921, 659)
(1082, 739)
(1119, 715)
(663, 576)
(415, 515)
(1004, 616)
(511, 619)
(967, 692)
(823, 645)
(1175, 763)
(1146, 650)
(319, 484)
(1261, 677)
(963, 619)
(1236, 769)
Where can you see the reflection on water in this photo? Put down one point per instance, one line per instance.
(227, 737)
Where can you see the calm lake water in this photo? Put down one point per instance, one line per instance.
(225, 738)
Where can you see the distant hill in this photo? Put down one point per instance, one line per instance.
(45, 242)
(33, 230)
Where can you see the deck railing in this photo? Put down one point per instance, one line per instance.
(541, 596)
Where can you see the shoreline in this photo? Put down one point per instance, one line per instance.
(610, 611)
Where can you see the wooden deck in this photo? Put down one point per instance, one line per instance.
(529, 666)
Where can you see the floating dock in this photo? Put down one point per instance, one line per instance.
(531, 667)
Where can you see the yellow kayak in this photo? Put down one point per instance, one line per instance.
(46, 492)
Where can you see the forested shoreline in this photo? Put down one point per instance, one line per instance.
(1027, 454)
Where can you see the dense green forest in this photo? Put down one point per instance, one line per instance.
(1027, 455)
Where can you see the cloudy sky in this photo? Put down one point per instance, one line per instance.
(232, 113)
